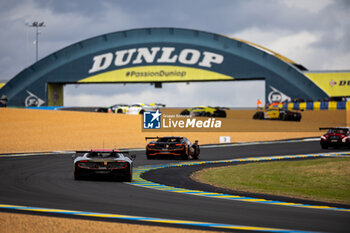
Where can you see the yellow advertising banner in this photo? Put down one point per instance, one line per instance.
(156, 74)
(332, 83)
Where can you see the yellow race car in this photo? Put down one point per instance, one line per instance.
(204, 111)
(277, 114)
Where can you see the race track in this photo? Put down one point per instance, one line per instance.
(47, 181)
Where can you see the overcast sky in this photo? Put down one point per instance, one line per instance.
(315, 33)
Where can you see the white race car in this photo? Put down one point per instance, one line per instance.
(134, 109)
(118, 108)
(112, 163)
(138, 108)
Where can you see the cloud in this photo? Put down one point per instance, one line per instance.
(315, 34)
(302, 47)
(62, 29)
(297, 46)
(308, 5)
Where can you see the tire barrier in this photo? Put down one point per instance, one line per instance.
(316, 105)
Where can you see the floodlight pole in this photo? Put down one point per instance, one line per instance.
(37, 25)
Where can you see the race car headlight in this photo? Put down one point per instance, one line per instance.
(323, 138)
(344, 139)
(84, 164)
(117, 165)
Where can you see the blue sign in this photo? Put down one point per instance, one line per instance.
(151, 120)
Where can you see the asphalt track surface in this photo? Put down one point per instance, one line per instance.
(47, 181)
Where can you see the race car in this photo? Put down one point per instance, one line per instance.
(102, 162)
(157, 105)
(335, 137)
(118, 108)
(204, 111)
(134, 109)
(179, 147)
(277, 114)
(140, 108)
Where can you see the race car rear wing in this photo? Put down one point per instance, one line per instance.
(79, 153)
(326, 128)
(102, 150)
(147, 138)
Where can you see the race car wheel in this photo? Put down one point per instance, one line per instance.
(77, 176)
(196, 156)
(128, 177)
(120, 111)
(185, 154)
(196, 152)
(219, 113)
(258, 115)
(324, 146)
(283, 117)
(185, 113)
(148, 156)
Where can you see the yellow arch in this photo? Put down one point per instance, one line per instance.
(283, 58)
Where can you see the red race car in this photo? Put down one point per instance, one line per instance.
(179, 147)
(335, 137)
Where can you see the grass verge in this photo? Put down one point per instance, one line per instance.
(320, 179)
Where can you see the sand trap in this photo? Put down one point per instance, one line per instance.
(13, 223)
(24, 130)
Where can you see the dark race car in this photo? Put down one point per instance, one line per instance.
(204, 111)
(179, 147)
(277, 114)
(335, 137)
(102, 163)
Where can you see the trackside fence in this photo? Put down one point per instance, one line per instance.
(317, 105)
